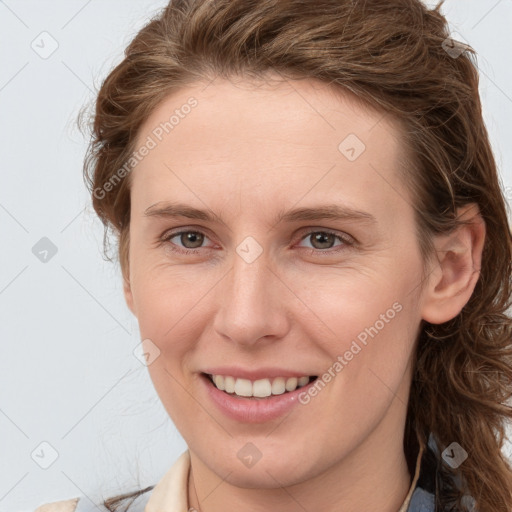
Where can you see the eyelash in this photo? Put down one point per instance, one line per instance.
(347, 242)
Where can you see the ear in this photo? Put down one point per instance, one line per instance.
(128, 295)
(124, 260)
(457, 269)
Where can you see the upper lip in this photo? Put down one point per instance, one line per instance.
(255, 374)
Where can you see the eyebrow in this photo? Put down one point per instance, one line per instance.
(165, 209)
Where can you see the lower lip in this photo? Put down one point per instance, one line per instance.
(251, 410)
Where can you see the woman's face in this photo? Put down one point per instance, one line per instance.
(298, 258)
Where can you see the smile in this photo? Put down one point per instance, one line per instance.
(248, 407)
(260, 388)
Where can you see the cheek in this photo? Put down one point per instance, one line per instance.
(163, 293)
(368, 325)
(369, 354)
(169, 305)
(347, 304)
(171, 313)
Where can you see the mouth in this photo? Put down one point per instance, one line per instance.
(260, 389)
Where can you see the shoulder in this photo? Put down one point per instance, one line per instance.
(59, 506)
(170, 494)
(84, 504)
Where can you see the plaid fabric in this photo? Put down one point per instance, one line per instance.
(424, 495)
(423, 498)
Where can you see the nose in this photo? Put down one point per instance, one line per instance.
(252, 303)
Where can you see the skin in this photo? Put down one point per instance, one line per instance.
(246, 152)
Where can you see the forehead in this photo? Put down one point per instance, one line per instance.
(256, 142)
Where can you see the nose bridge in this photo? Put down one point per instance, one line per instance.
(248, 308)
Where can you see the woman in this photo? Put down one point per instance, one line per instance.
(315, 243)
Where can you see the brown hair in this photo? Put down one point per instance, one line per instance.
(393, 56)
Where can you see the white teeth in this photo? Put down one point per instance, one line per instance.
(243, 387)
(278, 386)
(229, 384)
(291, 384)
(259, 388)
(219, 381)
(302, 381)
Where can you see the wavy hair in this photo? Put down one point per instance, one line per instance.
(393, 56)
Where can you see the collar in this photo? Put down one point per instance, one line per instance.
(171, 492)
(405, 504)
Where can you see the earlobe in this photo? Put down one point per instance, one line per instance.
(457, 269)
